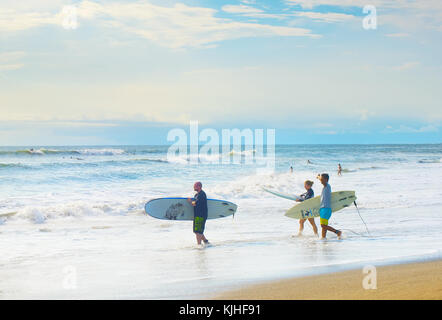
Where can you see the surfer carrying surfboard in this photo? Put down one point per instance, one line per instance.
(305, 196)
(325, 210)
(199, 203)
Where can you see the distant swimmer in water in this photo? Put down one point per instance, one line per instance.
(339, 170)
(291, 169)
(305, 196)
(199, 203)
(309, 162)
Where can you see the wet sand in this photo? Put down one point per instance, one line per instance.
(398, 282)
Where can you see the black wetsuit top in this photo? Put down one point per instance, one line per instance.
(307, 195)
(200, 209)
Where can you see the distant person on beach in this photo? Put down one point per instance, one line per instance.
(305, 196)
(339, 170)
(199, 203)
(291, 169)
(325, 210)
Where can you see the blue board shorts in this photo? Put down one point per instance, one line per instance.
(325, 214)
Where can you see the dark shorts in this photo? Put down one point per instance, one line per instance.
(199, 224)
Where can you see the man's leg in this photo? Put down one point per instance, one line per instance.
(323, 231)
(325, 227)
(197, 228)
(200, 238)
(338, 233)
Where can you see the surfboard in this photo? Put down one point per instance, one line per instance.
(282, 194)
(310, 208)
(180, 209)
(8, 214)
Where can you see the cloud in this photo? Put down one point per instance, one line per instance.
(408, 129)
(407, 66)
(8, 60)
(5, 67)
(240, 9)
(409, 15)
(330, 17)
(397, 35)
(362, 3)
(11, 20)
(365, 114)
(252, 12)
(179, 26)
(10, 55)
(321, 125)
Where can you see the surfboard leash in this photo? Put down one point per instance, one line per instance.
(361, 218)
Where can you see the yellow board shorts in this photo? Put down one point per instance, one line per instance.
(324, 214)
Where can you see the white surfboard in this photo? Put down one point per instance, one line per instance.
(310, 208)
(282, 194)
(8, 214)
(180, 209)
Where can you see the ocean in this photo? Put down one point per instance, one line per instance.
(72, 220)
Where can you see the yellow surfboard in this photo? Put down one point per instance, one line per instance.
(310, 208)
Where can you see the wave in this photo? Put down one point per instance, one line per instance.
(242, 153)
(42, 151)
(13, 165)
(146, 159)
(83, 164)
(430, 161)
(40, 214)
(250, 187)
(99, 152)
(369, 168)
(152, 151)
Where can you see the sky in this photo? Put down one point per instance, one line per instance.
(127, 72)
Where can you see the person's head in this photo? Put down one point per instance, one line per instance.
(308, 184)
(197, 186)
(323, 177)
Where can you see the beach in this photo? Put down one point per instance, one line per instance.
(73, 224)
(421, 281)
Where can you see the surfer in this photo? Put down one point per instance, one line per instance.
(307, 195)
(339, 170)
(199, 203)
(325, 210)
